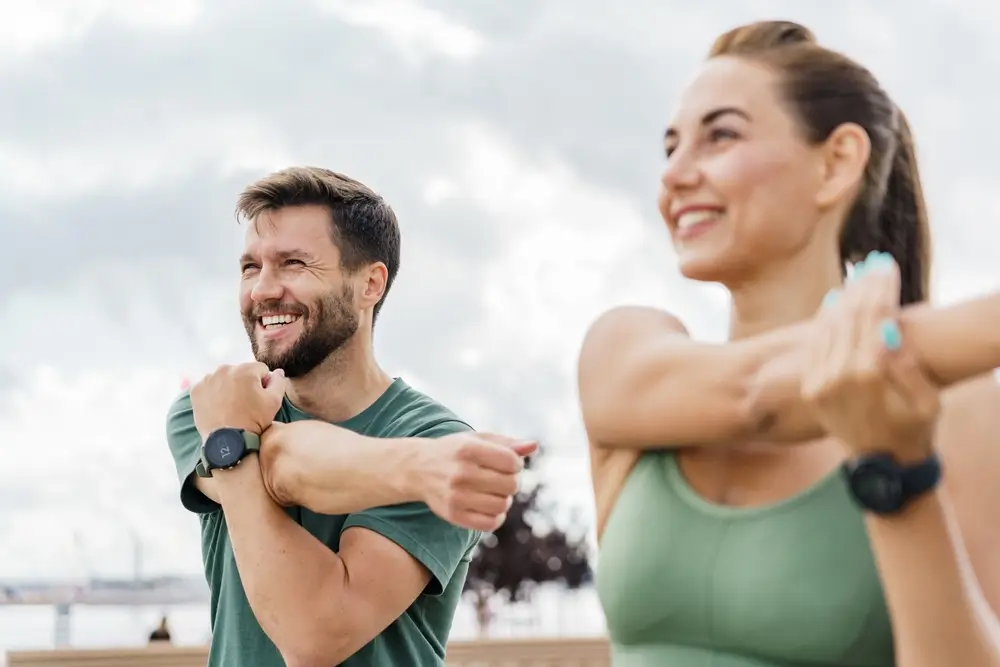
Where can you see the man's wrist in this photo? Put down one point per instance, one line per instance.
(244, 472)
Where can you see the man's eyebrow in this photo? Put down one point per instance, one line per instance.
(292, 254)
(279, 255)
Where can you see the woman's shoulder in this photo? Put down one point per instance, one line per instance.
(630, 324)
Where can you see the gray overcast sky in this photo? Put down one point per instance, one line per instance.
(519, 143)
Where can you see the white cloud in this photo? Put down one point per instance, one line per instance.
(412, 28)
(139, 150)
(27, 27)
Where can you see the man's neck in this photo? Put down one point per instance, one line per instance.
(342, 386)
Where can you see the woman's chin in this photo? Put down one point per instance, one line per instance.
(703, 269)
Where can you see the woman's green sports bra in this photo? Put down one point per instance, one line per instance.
(688, 583)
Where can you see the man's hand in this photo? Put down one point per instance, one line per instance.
(246, 396)
(469, 479)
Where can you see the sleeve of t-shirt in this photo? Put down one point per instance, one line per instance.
(439, 546)
(185, 446)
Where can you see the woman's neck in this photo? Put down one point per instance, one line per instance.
(781, 295)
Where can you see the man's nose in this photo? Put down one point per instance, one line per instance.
(267, 287)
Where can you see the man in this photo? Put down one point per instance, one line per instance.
(346, 539)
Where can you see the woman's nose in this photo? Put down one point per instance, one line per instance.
(681, 172)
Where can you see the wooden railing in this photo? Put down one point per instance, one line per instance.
(484, 653)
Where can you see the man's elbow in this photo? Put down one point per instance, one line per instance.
(321, 648)
(310, 659)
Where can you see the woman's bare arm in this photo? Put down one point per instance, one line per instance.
(954, 344)
(644, 384)
(937, 559)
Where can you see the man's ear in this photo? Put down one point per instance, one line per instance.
(374, 278)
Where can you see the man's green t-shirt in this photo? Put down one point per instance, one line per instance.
(420, 635)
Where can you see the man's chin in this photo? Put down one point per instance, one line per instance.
(271, 354)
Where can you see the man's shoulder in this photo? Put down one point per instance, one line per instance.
(180, 420)
(414, 413)
(180, 408)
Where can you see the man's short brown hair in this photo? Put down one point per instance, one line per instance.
(362, 224)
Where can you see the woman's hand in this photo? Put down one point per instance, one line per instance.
(863, 383)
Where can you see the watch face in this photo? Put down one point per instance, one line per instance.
(877, 486)
(224, 448)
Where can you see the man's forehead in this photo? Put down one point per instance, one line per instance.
(296, 224)
(266, 240)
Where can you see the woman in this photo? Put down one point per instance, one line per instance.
(801, 495)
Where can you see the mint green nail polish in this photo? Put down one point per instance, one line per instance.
(883, 259)
(831, 298)
(892, 337)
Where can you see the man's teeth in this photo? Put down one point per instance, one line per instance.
(692, 218)
(275, 321)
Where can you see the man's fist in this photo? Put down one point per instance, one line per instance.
(469, 479)
(246, 396)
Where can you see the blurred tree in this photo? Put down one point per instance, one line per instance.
(527, 550)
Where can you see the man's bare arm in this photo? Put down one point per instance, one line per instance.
(332, 470)
(465, 478)
(207, 486)
(317, 607)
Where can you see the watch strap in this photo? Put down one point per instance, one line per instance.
(252, 441)
(921, 477)
(201, 468)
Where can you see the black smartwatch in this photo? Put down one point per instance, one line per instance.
(225, 448)
(882, 485)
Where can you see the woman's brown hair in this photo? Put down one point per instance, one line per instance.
(825, 89)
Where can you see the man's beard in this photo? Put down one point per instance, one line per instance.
(326, 326)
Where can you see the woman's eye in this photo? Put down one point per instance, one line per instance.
(721, 134)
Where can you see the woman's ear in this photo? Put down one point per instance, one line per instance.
(845, 156)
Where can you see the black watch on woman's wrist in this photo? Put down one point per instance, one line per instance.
(882, 485)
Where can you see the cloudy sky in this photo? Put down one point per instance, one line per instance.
(519, 143)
